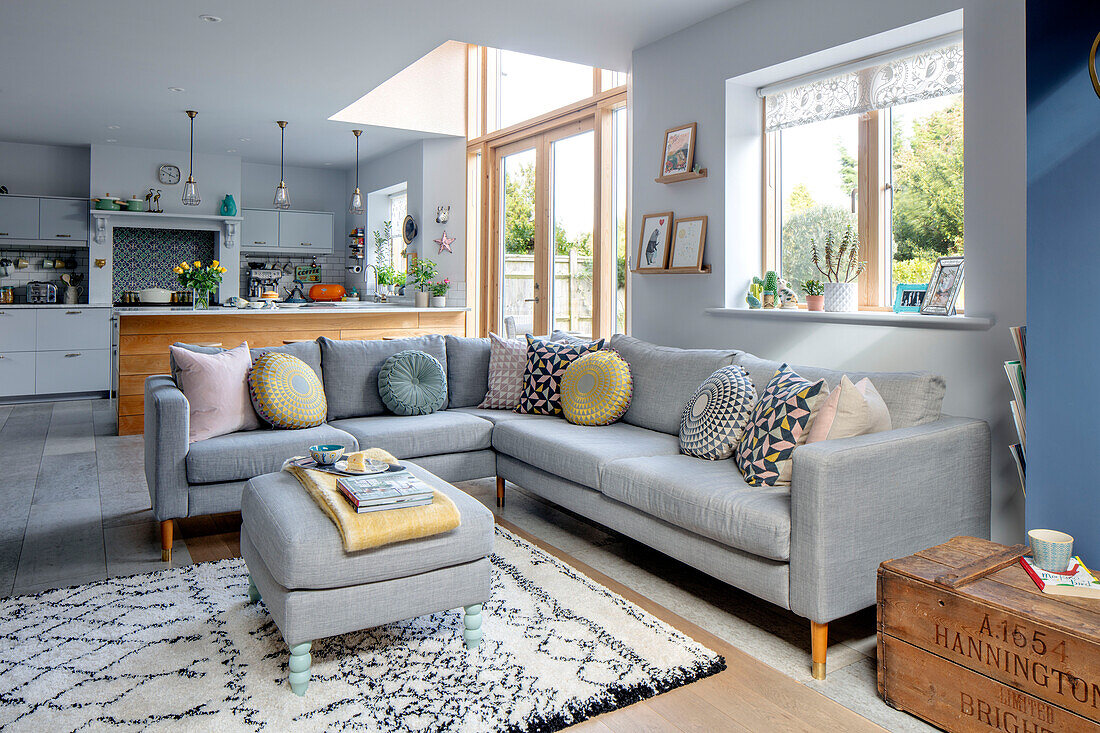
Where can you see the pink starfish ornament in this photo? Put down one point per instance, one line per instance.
(445, 243)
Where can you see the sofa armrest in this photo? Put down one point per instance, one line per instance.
(166, 430)
(859, 501)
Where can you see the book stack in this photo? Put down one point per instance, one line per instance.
(1077, 581)
(1016, 372)
(378, 493)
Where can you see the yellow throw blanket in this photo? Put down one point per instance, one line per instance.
(375, 529)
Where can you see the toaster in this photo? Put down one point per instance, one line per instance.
(40, 292)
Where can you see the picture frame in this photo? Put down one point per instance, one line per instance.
(689, 238)
(944, 287)
(908, 297)
(653, 242)
(678, 151)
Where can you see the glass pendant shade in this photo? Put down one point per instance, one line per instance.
(190, 191)
(282, 195)
(356, 206)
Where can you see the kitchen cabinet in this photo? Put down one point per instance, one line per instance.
(71, 370)
(73, 328)
(305, 232)
(16, 373)
(18, 217)
(17, 330)
(63, 219)
(260, 229)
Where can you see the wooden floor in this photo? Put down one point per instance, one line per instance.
(748, 696)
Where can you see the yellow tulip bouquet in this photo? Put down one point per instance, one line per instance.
(203, 279)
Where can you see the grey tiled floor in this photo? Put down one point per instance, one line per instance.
(74, 508)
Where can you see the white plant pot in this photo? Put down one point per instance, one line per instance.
(439, 301)
(421, 299)
(841, 297)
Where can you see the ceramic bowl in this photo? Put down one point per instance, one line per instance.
(1051, 549)
(326, 455)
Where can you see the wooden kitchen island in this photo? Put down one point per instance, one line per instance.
(145, 335)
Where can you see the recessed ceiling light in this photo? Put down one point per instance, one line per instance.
(111, 140)
(245, 139)
(113, 127)
(328, 163)
(210, 18)
(175, 89)
(231, 150)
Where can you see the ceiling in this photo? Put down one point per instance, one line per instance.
(74, 69)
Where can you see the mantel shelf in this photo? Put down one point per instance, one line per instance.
(704, 270)
(678, 177)
(229, 226)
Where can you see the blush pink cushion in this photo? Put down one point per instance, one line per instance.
(216, 388)
(850, 410)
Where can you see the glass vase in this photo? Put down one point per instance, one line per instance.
(200, 299)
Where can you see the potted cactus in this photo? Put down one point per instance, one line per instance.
(815, 295)
(771, 288)
(839, 262)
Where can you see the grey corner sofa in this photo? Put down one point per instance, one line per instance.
(812, 547)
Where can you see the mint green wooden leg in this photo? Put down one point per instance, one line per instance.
(299, 664)
(472, 633)
(253, 591)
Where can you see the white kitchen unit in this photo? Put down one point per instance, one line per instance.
(303, 232)
(38, 220)
(54, 350)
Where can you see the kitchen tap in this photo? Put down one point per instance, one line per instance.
(379, 296)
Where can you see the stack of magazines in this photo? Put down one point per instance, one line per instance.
(385, 491)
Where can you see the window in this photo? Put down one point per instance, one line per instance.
(877, 147)
(398, 209)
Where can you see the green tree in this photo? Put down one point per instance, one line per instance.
(800, 199)
(519, 211)
(813, 223)
(928, 187)
(848, 169)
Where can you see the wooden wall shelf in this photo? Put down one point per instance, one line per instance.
(704, 270)
(678, 177)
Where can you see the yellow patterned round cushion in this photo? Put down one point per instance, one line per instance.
(286, 392)
(596, 389)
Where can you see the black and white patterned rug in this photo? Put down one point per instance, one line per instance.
(183, 649)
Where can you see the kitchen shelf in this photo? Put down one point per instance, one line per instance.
(704, 270)
(678, 177)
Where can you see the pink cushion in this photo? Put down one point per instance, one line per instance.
(850, 410)
(216, 388)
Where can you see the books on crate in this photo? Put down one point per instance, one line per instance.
(377, 493)
(1077, 581)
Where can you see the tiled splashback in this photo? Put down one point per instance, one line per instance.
(35, 271)
(332, 269)
(144, 258)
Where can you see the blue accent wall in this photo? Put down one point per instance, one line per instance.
(1063, 273)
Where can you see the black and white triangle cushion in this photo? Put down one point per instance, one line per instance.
(716, 415)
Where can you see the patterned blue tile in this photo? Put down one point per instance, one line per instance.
(144, 258)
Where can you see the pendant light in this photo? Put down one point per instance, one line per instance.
(190, 193)
(356, 197)
(282, 196)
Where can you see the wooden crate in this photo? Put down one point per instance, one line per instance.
(968, 648)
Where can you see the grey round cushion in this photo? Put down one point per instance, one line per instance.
(412, 383)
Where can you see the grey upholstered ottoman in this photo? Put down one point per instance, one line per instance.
(313, 588)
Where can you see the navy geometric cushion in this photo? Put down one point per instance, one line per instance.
(546, 364)
(715, 417)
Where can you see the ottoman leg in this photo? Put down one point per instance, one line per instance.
(472, 633)
(500, 492)
(299, 664)
(253, 591)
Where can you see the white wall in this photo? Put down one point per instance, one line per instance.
(682, 77)
(44, 170)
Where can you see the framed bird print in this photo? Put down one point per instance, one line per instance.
(653, 244)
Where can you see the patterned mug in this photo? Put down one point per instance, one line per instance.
(1051, 549)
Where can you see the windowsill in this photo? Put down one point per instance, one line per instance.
(865, 318)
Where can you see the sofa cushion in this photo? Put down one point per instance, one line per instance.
(577, 452)
(240, 456)
(307, 351)
(412, 383)
(286, 392)
(596, 389)
(546, 364)
(507, 360)
(216, 388)
(493, 416)
(665, 379)
(351, 369)
(410, 436)
(467, 370)
(715, 417)
(914, 398)
(301, 547)
(707, 497)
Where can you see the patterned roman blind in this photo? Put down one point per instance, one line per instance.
(934, 72)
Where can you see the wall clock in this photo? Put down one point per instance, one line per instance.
(1092, 65)
(168, 174)
(408, 230)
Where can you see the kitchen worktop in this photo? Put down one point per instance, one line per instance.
(55, 305)
(311, 309)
